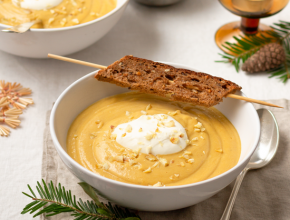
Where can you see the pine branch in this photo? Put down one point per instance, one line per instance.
(54, 200)
(246, 46)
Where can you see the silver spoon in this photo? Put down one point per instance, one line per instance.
(21, 28)
(264, 153)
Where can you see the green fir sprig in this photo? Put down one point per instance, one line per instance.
(53, 200)
(246, 46)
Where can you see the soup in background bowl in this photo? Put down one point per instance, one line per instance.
(38, 42)
(87, 90)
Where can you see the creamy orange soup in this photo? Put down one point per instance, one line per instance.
(213, 144)
(67, 13)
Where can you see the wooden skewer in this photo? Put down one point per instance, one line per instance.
(104, 67)
(252, 100)
(76, 61)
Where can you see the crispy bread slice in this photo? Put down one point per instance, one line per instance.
(164, 80)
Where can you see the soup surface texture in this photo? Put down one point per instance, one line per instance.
(65, 13)
(212, 144)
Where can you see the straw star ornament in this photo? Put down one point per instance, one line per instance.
(11, 104)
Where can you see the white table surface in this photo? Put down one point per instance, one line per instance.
(182, 33)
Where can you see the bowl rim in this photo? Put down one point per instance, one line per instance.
(60, 150)
(75, 26)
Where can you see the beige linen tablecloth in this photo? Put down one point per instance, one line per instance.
(264, 194)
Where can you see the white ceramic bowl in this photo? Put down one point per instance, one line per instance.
(88, 90)
(37, 43)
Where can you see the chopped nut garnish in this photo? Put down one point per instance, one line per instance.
(149, 137)
(194, 139)
(155, 165)
(149, 148)
(174, 113)
(97, 122)
(100, 124)
(190, 160)
(182, 164)
(99, 166)
(143, 112)
(158, 184)
(160, 124)
(140, 129)
(169, 123)
(148, 107)
(163, 161)
(164, 116)
(171, 161)
(63, 12)
(197, 130)
(106, 166)
(52, 11)
(75, 136)
(176, 175)
(50, 20)
(174, 140)
(128, 113)
(149, 170)
(151, 158)
(219, 150)
(203, 152)
(187, 152)
(123, 135)
(181, 135)
(166, 70)
(202, 129)
(201, 137)
(187, 141)
(128, 128)
(198, 125)
(157, 130)
(75, 20)
(112, 127)
(132, 162)
(119, 159)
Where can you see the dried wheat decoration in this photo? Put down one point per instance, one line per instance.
(11, 104)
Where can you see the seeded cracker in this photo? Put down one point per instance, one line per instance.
(160, 79)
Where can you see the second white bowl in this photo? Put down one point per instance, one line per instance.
(37, 43)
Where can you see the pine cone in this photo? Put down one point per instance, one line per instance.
(268, 57)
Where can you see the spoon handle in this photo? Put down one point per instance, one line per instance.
(228, 210)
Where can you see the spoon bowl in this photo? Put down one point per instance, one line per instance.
(269, 140)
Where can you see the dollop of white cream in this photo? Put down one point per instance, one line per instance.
(36, 4)
(157, 134)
